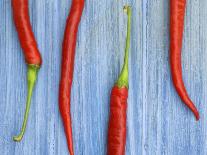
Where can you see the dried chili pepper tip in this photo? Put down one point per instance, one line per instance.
(31, 79)
(123, 77)
(197, 116)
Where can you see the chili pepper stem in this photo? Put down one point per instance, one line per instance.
(123, 77)
(31, 79)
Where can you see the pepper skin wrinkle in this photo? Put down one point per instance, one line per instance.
(177, 14)
(68, 56)
(31, 53)
(24, 30)
(118, 103)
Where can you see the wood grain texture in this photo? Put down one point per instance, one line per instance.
(158, 122)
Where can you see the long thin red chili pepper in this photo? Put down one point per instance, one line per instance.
(68, 56)
(177, 14)
(118, 103)
(30, 50)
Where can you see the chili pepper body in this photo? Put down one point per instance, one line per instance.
(117, 121)
(31, 53)
(118, 103)
(68, 56)
(177, 14)
(24, 29)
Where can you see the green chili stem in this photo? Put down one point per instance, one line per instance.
(31, 79)
(123, 77)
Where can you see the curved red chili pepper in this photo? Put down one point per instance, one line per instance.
(68, 55)
(177, 13)
(118, 103)
(30, 50)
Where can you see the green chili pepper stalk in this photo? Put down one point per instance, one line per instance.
(31, 80)
(123, 77)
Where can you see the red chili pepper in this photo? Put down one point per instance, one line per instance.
(68, 55)
(24, 29)
(30, 50)
(118, 103)
(177, 14)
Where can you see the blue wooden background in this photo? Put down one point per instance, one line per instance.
(158, 122)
